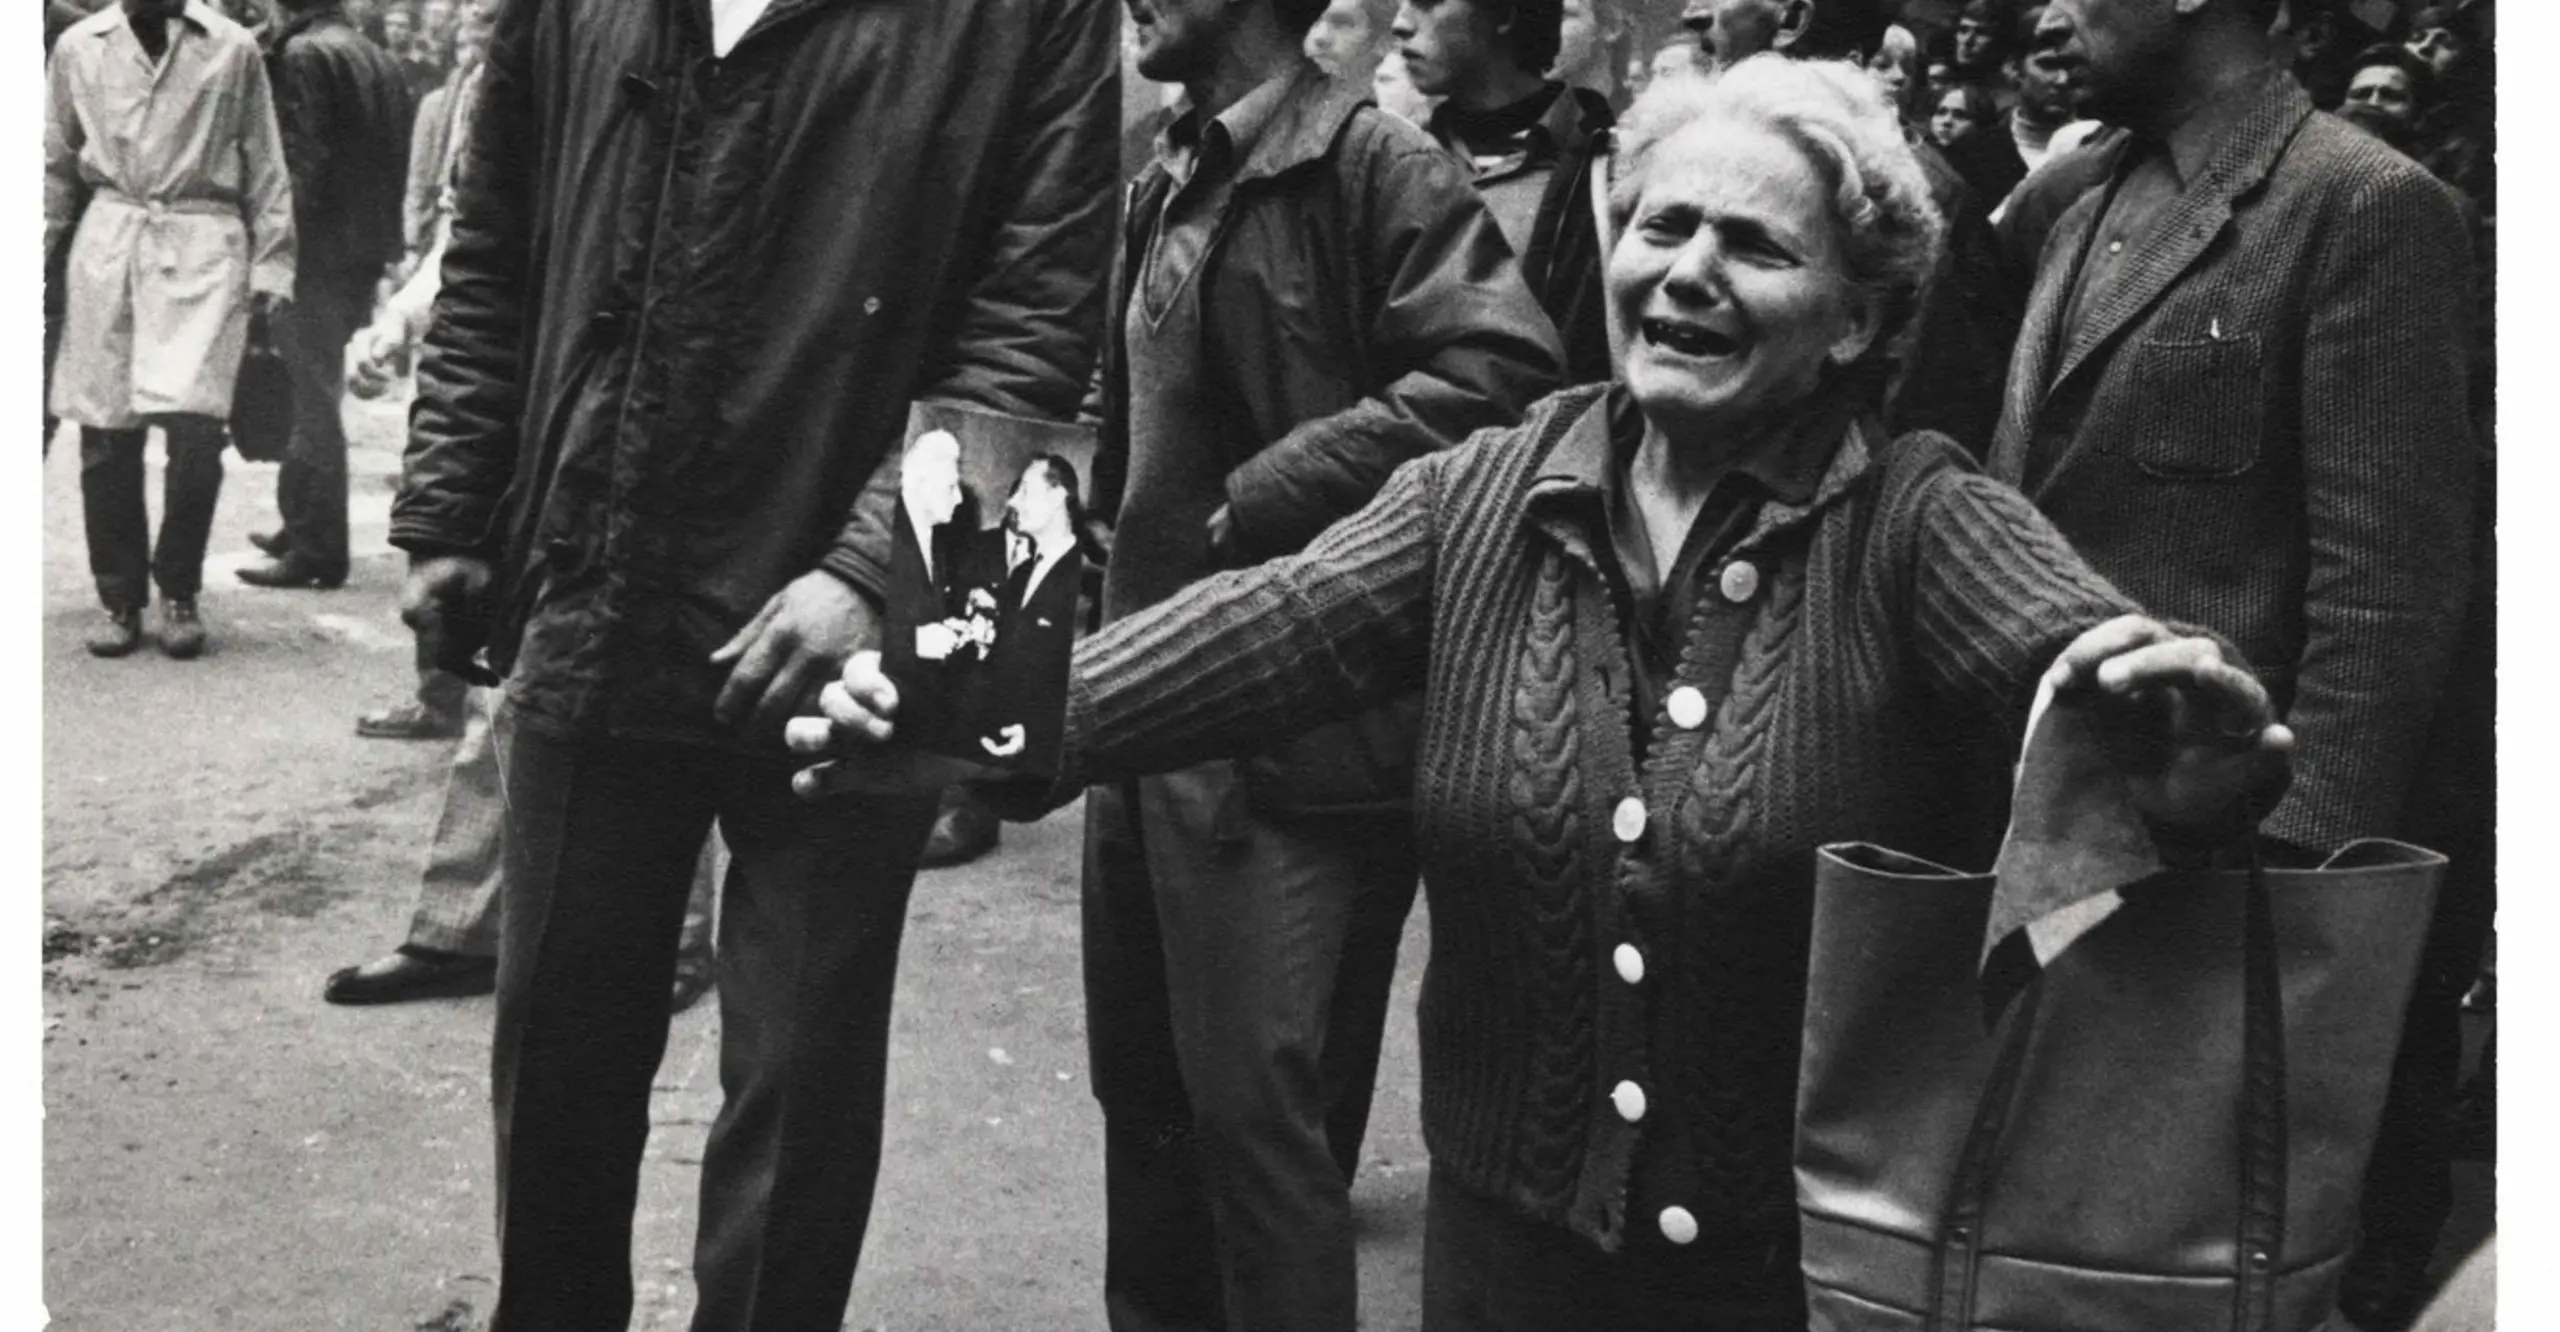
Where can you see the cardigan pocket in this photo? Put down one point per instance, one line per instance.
(2203, 405)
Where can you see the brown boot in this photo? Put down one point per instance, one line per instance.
(119, 636)
(181, 632)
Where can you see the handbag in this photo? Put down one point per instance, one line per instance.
(2164, 1130)
(262, 398)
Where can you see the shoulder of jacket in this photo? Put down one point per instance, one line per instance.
(1371, 132)
(1498, 461)
(2330, 156)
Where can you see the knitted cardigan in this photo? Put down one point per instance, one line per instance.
(1910, 594)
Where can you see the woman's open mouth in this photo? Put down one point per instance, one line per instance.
(1689, 339)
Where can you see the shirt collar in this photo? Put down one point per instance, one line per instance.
(1229, 136)
(1790, 466)
(195, 12)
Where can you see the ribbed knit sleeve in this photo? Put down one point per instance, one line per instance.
(1996, 592)
(1244, 660)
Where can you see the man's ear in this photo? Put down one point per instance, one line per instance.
(1795, 19)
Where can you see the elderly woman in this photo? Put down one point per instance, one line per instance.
(1673, 634)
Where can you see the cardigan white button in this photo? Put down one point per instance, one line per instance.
(1628, 821)
(1629, 1098)
(1688, 708)
(1630, 964)
(1677, 1225)
(1741, 581)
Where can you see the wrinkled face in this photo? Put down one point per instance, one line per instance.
(1446, 44)
(2441, 48)
(1729, 283)
(2383, 95)
(1579, 46)
(2120, 53)
(1036, 506)
(1177, 39)
(1952, 122)
(1343, 40)
(1731, 31)
(929, 479)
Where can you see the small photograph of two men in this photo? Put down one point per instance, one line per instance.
(984, 588)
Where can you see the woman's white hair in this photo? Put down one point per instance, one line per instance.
(1837, 116)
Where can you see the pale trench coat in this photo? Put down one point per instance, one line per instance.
(188, 212)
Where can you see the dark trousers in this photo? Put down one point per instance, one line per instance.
(121, 556)
(601, 839)
(311, 486)
(2408, 1188)
(1236, 983)
(1486, 1268)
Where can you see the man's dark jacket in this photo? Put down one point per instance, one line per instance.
(2262, 429)
(344, 108)
(1563, 263)
(688, 302)
(1361, 310)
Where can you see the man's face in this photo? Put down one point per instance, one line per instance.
(435, 17)
(2381, 98)
(1343, 40)
(1178, 40)
(1036, 505)
(1976, 39)
(2048, 86)
(398, 26)
(930, 479)
(1731, 31)
(2441, 48)
(2122, 53)
(1447, 45)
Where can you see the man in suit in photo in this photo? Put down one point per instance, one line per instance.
(1026, 674)
(2240, 392)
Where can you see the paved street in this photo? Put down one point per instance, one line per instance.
(223, 1150)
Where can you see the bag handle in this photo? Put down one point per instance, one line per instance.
(2264, 1156)
(2264, 1131)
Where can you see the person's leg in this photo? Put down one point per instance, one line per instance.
(1485, 1269)
(311, 486)
(814, 908)
(1160, 1262)
(189, 490)
(1254, 922)
(112, 512)
(1383, 891)
(696, 960)
(600, 841)
(458, 890)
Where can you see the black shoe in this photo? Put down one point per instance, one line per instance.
(292, 570)
(118, 637)
(413, 973)
(409, 721)
(271, 543)
(694, 976)
(963, 830)
(181, 630)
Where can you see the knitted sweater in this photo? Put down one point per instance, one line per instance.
(1910, 597)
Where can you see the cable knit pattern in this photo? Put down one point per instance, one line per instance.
(1907, 593)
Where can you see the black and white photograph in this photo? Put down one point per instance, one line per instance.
(1274, 666)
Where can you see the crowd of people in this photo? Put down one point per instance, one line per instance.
(1570, 457)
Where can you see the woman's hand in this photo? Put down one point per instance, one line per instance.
(2196, 736)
